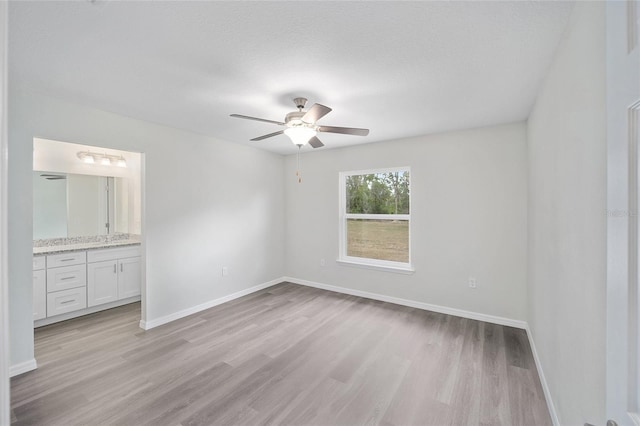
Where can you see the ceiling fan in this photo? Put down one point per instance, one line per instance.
(301, 126)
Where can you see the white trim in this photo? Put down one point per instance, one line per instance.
(543, 380)
(407, 270)
(367, 216)
(375, 171)
(413, 304)
(87, 311)
(147, 325)
(5, 370)
(23, 367)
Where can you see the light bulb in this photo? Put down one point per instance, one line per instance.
(105, 161)
(89, 159)
(121, 162)
(300, 135)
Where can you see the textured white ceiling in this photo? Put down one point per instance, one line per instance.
(398, 68)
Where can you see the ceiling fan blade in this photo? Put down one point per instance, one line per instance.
(259, 138)
(315, 113)
(246, 117)
(344, 130)
(315, 142)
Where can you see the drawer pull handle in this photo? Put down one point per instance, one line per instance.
(68, 259)
(67, 278)
(115, 271)
(67, 301)
(122, 267)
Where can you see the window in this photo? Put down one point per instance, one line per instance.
(375, 219)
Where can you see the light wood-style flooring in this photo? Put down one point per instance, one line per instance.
(288, 355)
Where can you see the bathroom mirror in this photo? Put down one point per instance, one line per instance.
(69, 205)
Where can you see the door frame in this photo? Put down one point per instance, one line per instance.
(4, 281)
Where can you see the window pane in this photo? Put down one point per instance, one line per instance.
(378, 239)
(378, 193)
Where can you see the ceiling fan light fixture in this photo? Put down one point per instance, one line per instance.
(300, 135)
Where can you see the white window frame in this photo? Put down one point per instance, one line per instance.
(384, 265)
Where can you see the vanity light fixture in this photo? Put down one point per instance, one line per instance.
(87, 157)
(105, 159)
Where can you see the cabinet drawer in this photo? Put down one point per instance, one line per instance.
(66, 259)
(66, 277)
(112, 254)
(65, 301)
(38, 263)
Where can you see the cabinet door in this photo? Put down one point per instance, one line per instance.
(39, 294)
(102, 282)
(129, 277)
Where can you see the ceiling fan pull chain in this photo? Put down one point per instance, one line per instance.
(298, 165)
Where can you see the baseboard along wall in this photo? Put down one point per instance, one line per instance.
(413, 304)
(22, 367)
(543, 380)
(148, 325)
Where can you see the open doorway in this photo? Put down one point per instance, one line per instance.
(87, 230)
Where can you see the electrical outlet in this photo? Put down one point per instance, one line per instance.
(225, 271)
(472, 282)
(322, 263)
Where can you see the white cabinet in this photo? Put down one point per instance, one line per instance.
(61, 302)
(129, 277)
(102, 283)
(66, 282)
(66, 259)
(113, 274)
(70, 283)
(66, 277)
(39, 288)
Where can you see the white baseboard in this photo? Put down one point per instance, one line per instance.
(23, 367)
(543, 380)
(147, 325)
(413, 304)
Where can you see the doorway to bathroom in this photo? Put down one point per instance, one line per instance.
(88, 245)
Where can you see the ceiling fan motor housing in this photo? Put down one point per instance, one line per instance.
(295, 118)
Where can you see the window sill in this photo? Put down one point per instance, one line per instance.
(395, 269)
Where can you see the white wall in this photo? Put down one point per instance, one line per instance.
(468, 212)
(208, 204)
(4, 282)
(567, 222)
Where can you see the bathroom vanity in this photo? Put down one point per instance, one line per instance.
(74, 277)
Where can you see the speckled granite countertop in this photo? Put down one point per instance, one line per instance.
(62, 245)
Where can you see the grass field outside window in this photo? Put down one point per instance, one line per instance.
(375, 220)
